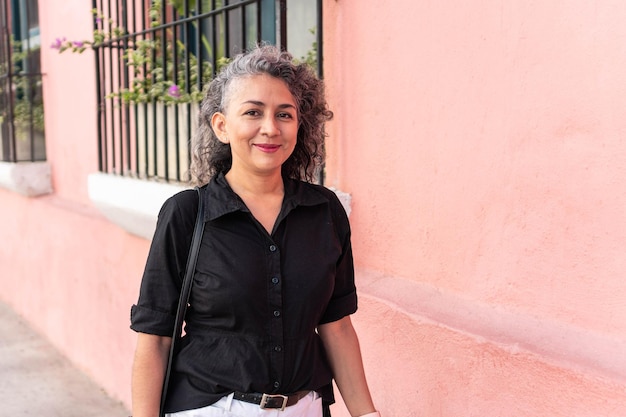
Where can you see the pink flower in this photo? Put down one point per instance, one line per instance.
(78, 44)
(174, 91)
(58, 42)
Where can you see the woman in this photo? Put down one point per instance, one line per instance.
(268, 323)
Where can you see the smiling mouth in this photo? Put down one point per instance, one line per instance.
(265, 147)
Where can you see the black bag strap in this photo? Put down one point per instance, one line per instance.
(185, 291)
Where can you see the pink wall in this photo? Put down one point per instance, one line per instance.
(70, 98)
(494, 132)
(74, 277)
(63, 266)
(481, 144)
(418, 368)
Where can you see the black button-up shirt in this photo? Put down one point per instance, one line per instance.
(256, 299)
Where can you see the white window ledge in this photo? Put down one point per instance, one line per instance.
(31, 179)
(134, 204)
(130, 203)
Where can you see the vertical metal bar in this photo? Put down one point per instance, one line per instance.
(175, 28)
(27, 94)
(320, 67)
(116, 73)
(120, 12)
(99, 104)
(153, 33)
(226, 29)
(244, 32)
(164, 68)
(215, 55)
(30, 96)
(283, 25)
(124, 108)
(320, 38)
(200, 53)
(133, 30)
(146, 139)
(3, 86)
(30, 90)
(187, 57)
(11, 113)
(111, 113)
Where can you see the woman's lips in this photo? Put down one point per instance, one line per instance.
(266, 147)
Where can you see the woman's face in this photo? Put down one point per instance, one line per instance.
(260, 122)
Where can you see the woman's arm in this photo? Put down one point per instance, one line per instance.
(344, 354)
(148, 373)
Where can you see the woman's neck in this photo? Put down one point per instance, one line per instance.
(263, 195)
(255, 185)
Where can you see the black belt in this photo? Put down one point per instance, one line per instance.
(276, 401)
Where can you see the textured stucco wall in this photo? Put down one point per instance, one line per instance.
(70, 98)
(73, 276)
(482, 143)
(71, 273)
(484, 147)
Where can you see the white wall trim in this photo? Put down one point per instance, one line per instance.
(130, 203)
(556, 342)
(31, 179)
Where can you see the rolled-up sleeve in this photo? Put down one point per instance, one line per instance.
(344, 299)
(155, 310)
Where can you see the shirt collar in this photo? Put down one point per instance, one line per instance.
(220, 199)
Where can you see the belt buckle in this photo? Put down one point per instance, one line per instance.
(275, 401)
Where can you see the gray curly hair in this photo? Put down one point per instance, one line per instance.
(210, 156)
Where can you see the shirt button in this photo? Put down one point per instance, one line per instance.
(276, 384)
(275, 280)
(276, 313)
(273, 248)
(278, 348)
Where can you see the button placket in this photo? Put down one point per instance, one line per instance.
(275, 310)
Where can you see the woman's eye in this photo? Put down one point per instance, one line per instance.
(284, 116)
(252, 113)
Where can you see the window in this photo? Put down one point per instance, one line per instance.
(154, 59)
(21, 98)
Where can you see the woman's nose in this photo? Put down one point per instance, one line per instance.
(270, 126)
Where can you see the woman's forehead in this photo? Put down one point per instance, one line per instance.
(250, 84)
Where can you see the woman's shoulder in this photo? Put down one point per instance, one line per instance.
(182, 204)
(310, 190)
(182, 199)
(325, 194)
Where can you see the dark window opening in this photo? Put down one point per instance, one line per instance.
(21, 99)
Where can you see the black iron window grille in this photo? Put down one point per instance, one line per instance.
(21, 98)
(154, 58)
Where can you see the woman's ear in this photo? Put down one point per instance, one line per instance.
(218, 123)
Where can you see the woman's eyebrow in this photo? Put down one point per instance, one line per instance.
(261, 104)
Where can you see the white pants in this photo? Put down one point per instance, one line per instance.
(309, 406)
